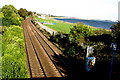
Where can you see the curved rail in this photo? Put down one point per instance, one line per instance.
(40, 53)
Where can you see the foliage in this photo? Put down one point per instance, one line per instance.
(0, 56)
(1, 15)
(72, 51)
(13, 55)
(79, 32)
(104, 38)
(23, 12)
(101, 31)
(11, 16)
(30, 13)
(0, 21)
(116, 33)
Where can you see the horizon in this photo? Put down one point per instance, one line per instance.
(74, 8)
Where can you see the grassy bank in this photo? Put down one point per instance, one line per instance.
(13, 55)
(59, 26)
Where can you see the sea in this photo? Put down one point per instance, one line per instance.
(105, 24)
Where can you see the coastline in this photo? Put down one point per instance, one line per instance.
(60, 20)
(74, 23)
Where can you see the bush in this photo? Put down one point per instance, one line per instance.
(79, 31)
(10, 16)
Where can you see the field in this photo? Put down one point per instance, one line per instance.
(59, 26)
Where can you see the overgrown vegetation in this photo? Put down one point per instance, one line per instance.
(13, 57)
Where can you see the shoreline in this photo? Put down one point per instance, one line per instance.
(60, 20)
(85, 19)
(74, 23)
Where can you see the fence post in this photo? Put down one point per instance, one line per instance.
(114, 49)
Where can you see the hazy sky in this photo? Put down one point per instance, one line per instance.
(85, 9)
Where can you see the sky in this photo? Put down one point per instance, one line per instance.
(83, 9)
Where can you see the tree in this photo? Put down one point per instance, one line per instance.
(77, 37)
(23, 12)
(116, 33)
(30, 13)
(11, 16)
(79, 32)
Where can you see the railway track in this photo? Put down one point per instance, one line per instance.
(41, 53)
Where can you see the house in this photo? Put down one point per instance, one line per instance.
(43, 16)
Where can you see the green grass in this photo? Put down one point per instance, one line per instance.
(59, 26)
(62, 26)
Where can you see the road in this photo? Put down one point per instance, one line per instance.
(42, 56)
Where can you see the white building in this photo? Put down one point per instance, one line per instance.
(42, 16)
